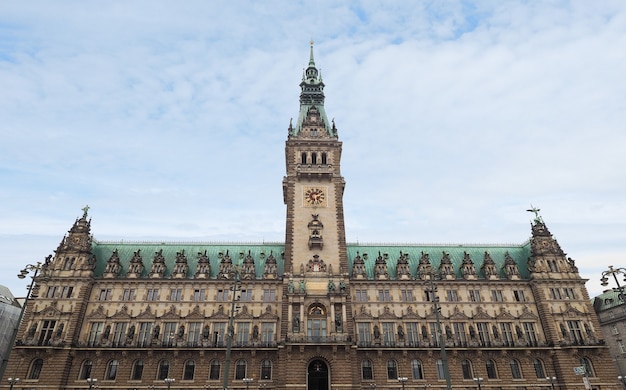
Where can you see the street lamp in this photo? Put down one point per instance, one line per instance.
(30, 267)
(403, 379)
(620, 378)
(169, 382)
(432, 289)
(13, 381)
(479, 382)
(614, 272)
(230, 333)
(552, 380)
(92, 382)
(247, 381)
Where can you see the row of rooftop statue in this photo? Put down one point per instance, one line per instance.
(247, 268)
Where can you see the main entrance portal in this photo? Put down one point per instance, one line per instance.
(318, 376)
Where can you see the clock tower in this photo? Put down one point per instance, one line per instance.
(315, 245)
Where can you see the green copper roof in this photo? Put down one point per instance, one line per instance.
(607, 300)
(260, 252)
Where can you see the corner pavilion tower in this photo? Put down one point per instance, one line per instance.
(314, 312)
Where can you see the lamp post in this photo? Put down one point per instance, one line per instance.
(92, 382)
(230, 332)
(13, 381)
(623, 380)
(169, 382)
(402, 380)
(30, 267)
(479, 382)
(247, 381)
(614, 272)
(552, 380)
(432, 290)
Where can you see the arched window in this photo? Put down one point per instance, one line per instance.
(189, 370)
(516, 371)
(540, 371)
(111, 372)
(266, 369)
(585, 362)
(303, 158)
(440, 371)
(466, 368)
(164, 369)
(137, 370)
(85, 370)
(392, 369)
(35, 369)
(214, 371)
(416, 368)
(492, 371)
(313, 158)
(366, 370)
(324, 159)
(240, 369)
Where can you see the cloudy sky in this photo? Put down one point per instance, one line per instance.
(169, 120)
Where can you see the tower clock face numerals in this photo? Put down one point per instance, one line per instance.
(315, 196)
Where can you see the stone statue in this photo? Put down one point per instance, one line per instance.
(131, 332)
(331, 286)
(255, 332)
(338, 322)
(400, 332)
(156, 332)
(181, 331)
(342, 286)
(448, 332)
(518, 331)
(376, 332)
(205, 332)
(107, 332)
(296, 323)
(302, 286)
(290, 287)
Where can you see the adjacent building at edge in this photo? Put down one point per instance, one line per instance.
(611, 309)
(313, 312)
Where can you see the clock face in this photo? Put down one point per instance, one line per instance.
(314, 196)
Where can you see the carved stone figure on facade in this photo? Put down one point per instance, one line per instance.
(400, 332)
(472, 332)
(290, 287)
(59, 332)
(181, 331)
(338, 323)
(205, 332)
(376, 332)
(563, 331)
(424, 333)
(156, 332)
(107, 332)
(131, 332)
(331, 286)
(296, 324)
(519, 332)
(448, 332)
(494, 330)
(32, 330)
(255, 332)
(342, 286)
(302, 286)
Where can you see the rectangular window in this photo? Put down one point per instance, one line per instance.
(412, 333)
(483, 332)
(243, 333)
(429, 295)
(440, 371)
(361, 295)
(52, 292)
(119, 333)
(452, 295)
(569, 293)
(615, 331)
(95, 332)
(194, 329)
(199, 295)
(105, 294)
(496, 296)
(128, 294)
(169, 333)
(507, 332)
(529, 330)
(214, 373)
(222, 295)
(246, 296)
(176, 294)
(153, 294)
(555, 293)
(383, 296)
(267, 333)
(365, 337)
(519, 295)
(145, 332)
(622, 347)
(46, 332)
(459, 333)
(67, 292)
(474, 295)
(269, 295)
(406, 295)
(219, 333)
(389, 333)
(574, 330)
(433, 333)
